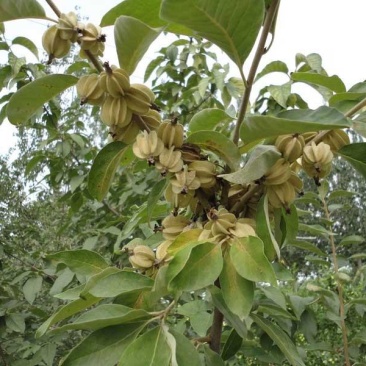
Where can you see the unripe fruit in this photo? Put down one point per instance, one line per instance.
(115, 81)
(146, 90)
(143, 257)
(185, 181)
(162, 251)
(89, 91)
(317, 160)
(125, 134)
(92, 38)
(179, 200)
(336, 139)
(151, 119)
(279, 173)
(171, 133)
(281, 195)
(137, 100)
(68, 26)
(169, 161)
(173, 226)
(54, 45)
(243, 228)
(148, 146)
(290, 146)
(220, 222)
(115, 112)
(205, 172)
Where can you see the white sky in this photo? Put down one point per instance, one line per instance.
(329, 27)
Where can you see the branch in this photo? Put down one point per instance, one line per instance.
(356, 108)
(340, 290)
(261, 50)
(54, 7)
(239, 205)
(216, 328)
(111, 209)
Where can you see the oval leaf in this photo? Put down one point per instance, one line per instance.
(103, 169)
(27, 43)
(218, 144)
(355, 154)
(20, 9)
(25, 102)
(274, 66)
(232, 25)
(132, 38)
(333, 83)
(207, 119)
(293, 121)
(249, 260)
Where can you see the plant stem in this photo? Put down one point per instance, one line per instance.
(216, 328)
(261, 50)
(339, 288)
(356, 108)
(94, 60)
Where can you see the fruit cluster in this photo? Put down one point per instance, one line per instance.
(58, 38)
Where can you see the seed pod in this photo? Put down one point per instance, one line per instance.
(54, 45)
(278, 174)
(68, 26)
(115, 112)
(171, 133)
(281, 195)
(162, 251)
(151, 119)
(179, 200)
(190, 152)
(169, 161)
(205, 172)
(89, 91)
(143, 257)
(125, 134)
(92, 39)
(137, 100)
(185, 181)
(148, 146)
(317, 160)
(243, 228)
(114, 80)
(146, 90)
(336, 139)
(220, 222)
(173, 226)
(290, 146)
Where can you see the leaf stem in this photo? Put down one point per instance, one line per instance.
(261, 50)
(356, 108)
(339, 288)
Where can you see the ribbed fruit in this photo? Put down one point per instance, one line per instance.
(279, 173)
(148, 146)
(317, 160)
(336, 139)
(171, 133)
(173, 226)
(54, 45)
(89, 91)
(170, 160)
(114, 80)
(205, 172)
(290, 146)
(68, 26)
(115, 112)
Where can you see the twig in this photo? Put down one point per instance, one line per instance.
(261, 50)
(54, 7)
(239, 205)
(356, 108)
(340, 290)
(216, 328)
(111, 209)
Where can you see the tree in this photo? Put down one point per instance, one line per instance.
(183, 242)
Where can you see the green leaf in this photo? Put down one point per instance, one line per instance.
(104, 168)
(340, 193)
(20, 9)
(238, 292)
(281, 339)
(132, 38)
(183, 240)
(247, 255)
(292, 121)
(305, 245)
(15, 322)
(218, 144)
(232, 345)
(104, 346)
(280, 93)
(152, 66)
(32, 287)
(106, 315)
(93, 280)
(119, 283)
(26, 101)
(274, 66)
(333, 83)
(27, 43)
(155, 195)
(264, 231)
(212, 358)
(201, 269)
(276, 295)
(261, 160)
(355, 154)
(81, 261)
(233, 25)
(315, 229)
(66, 311)
(186, 353)
(207, 119)
(352, 239)
(150, 349)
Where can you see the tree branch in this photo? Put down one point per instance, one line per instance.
(356, 108)
(261, 50)
(216, 328)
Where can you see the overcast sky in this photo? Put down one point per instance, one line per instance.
(329, 27)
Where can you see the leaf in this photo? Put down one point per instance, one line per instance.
(149, 349)
(66, 311)
(207, 119)
(352, 239)
(333, 83)
(20, 9)
(274, 66)
(119, 283)
(233, 25)
(264, 231)
(27, 43)
(232, 345)
(15, 322)
(280, 93)
(247, 255)
(261, 160)
(104, 168)
(155, 195)
(276, 295)
(27, 100)
(106, 315)
(218, 144)
(355, 154)
(93, 280)
(31, 288)
(183, 240)
(104, 346)
(201, 269)
(281, 339)
(186, 353)
(237, 292)
(81, 261)
(132, 38)
(211, 357)
(292, 121)
(315, 229)
(305, 245)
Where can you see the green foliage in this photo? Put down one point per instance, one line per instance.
(244, 281)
